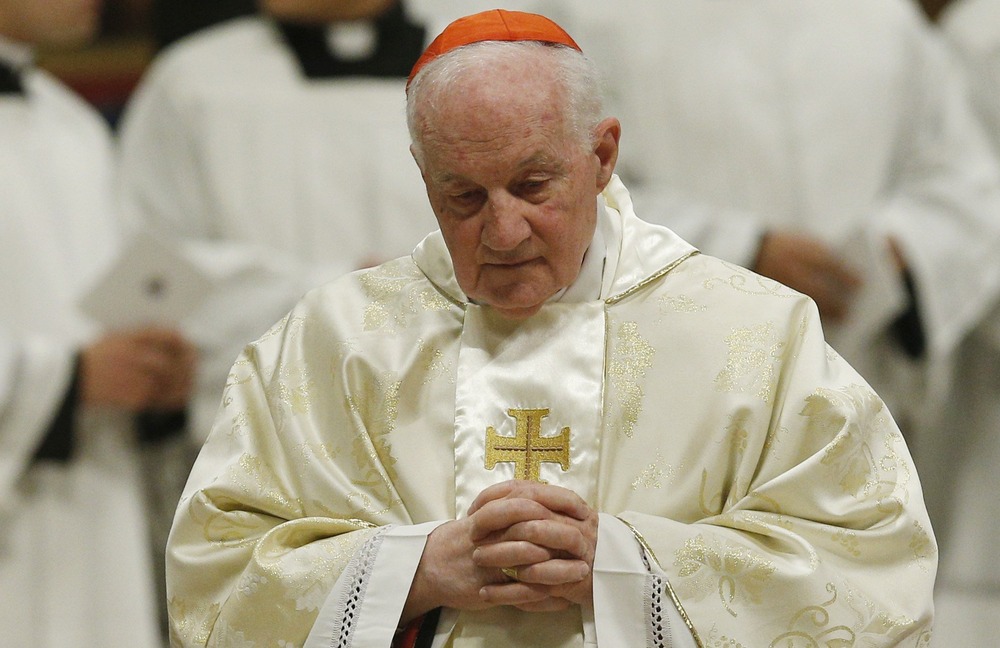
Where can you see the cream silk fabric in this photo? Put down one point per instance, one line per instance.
(768, 482)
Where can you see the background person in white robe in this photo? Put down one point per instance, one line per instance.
(74, 553)
(274, 143)
(968, 593)
(830, 146)
(720, 475)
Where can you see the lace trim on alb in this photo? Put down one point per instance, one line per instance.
(658, 626)
(659, 623)
(360, 569)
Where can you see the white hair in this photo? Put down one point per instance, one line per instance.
(577, 74)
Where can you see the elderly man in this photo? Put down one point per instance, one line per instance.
(553, 425)
(74, 559)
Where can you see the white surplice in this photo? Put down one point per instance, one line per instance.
(969, 583)
(973, 26)
(749, 481)
(845, 120)
(281, 182)
(74, 557)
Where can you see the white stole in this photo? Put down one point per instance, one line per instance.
(529, 385)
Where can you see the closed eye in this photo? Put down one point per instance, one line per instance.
(534, 191)
(467, 201)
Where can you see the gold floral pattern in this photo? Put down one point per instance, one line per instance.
(853, 416)
(654, 475)
(727, 493)
(679, 304)
(849, 540)
(434, 363)
(377, 409)
(716, 640)
(737, 575)
(631, 357)
(844, 620)
(754, 355)
(922, 545)
(190, 621)
(389, 308)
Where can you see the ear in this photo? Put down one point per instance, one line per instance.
(416, 158)
(607, 134)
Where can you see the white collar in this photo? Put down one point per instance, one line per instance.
(587, 286)
(16, 54)
(352, 40)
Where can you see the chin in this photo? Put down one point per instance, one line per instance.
(514, 304)
(516, 313)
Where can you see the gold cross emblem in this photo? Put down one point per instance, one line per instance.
(527, 449)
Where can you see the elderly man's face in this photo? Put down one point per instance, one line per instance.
(60, 23)
(514, 193)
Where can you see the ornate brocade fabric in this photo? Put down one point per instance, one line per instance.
(766, 479)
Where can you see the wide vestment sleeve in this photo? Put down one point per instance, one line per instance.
(300, 469)
(766, 479)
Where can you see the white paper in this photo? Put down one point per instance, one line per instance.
(151, 282)
(879, 300)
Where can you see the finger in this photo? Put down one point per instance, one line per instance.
(507, 554)
(491, 493)
(501, 514)
(561, 500)
(554, 572)
(555, 498)
(553, 535)
(513, 593)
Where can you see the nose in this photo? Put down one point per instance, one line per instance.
(505, 226)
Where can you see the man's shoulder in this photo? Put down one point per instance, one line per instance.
(244, 32)
(58, 103)
(228, 50)
(390, 297)
(728, 285)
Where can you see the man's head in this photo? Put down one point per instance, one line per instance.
(55, 23)
(325, 11)
(510, 142)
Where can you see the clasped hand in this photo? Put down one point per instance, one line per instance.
(547, 533)
(146, 368)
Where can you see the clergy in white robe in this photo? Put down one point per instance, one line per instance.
(841, 123)
(973, 26)
(74, 553)
(554, 424)
(969, 584)
(278, 148)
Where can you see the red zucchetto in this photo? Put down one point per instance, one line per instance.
(493, 25)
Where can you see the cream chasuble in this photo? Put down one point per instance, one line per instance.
(749, 482)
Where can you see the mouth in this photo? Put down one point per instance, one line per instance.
(509, 263)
